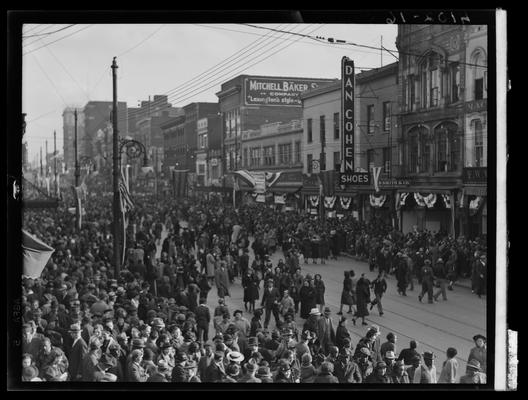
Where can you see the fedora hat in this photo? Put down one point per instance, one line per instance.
(138, 343)
(75, 328)
(390, 355)
(162, 365)
(252, 341)
(158, 322)
(235, 356)
(263, 372)
(315, 311)
(474, 364)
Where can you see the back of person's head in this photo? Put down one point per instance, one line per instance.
(413, 344)
(451, 352)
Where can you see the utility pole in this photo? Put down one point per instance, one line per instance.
(55, 161)
(77, 170)
(381, 50)
(41, 168)
(116, 209)
(47, 158)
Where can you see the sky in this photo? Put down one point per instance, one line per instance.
(67, 66)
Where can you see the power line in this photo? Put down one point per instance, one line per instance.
(345, 42)
(48, 33)
(41, 116)
(49, 79)
(143, 41)
(37, 26)
(215, 68)
(64, 37)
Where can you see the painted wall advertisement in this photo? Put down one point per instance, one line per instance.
(278, 91)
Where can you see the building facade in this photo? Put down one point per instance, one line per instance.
(209, 152)
(248, 102)
(437, 93)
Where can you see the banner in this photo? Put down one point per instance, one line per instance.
(348, 88)
(447, 200)
(261, 198)
(260, 181)
(36, 255)
(180, 182)
(280, 199)
(272, 177)
(428, 200)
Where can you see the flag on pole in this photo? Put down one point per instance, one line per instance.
(36, 255)
(126, 204)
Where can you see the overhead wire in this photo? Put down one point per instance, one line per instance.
(64, 37)
(48, 33)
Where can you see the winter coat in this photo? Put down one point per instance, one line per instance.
(320, 291)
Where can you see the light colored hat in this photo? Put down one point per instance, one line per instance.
(474, 364)
(235, 356)
(315, 311)
(390, 355)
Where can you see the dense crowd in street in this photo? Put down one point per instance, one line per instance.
(151, 323)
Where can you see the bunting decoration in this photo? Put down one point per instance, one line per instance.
(461, 199)
(403, 198)
(329, 201)
(425, 201)
(377, 201)
(280, 199)
(397, 201)
(345, 202)
(272, 177)
(126, 205)
(78, 205)
(475, 204)
(447, 200)
(314, 201)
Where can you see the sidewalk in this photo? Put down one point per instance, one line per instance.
(464, 282)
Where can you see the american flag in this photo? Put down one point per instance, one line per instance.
(126, 200)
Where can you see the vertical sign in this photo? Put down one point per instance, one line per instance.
(347, 115)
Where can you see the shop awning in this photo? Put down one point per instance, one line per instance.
(422, 189)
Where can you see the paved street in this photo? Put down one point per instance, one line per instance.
(436, 327)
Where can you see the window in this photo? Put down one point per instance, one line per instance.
(386, 159)
(309, 166)
(418, 150)
(370, 118)
(447, 147)
(337, 160)
(454, 76)
(245, 157)
(285, 153)
(298, 152)
(214, 172)
(309, 130)
(479, 89)
(202, 140)
(370, 159)
(336, 125)
(425, 150)
(269, 155)
(386, 116)
(435, 81)
(322, 162)
(255, 157)
(201, 169)
(322, 129)
(479, 143)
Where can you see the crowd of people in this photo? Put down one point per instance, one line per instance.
(152, 321)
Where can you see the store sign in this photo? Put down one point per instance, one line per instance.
(214, 162)
(399, 182)
(260, 181)
(277, 91)
(348, 176)
(475, 175)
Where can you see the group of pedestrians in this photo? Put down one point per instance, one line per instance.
(151, 322)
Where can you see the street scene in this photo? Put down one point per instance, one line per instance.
(285, 203)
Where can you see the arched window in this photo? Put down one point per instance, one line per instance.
(447, 147)
(479, 72)
(430, 80)
(479, 143)
(413, 150)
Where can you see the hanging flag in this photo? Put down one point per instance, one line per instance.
(447, 200)
(246, 176)
(271, 178)
(403, 198)
(78, 195)
(236, 186)
(36, 255)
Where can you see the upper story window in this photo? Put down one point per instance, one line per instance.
(322, 129)
(298, 151)
(370, 118)
(479, 143)
(418, 150)
(336, 125)
(254, 157)
(269, 155)
(386, 116)
(479, 75)
(454, 82)
(309, 130)
(430, 80)
(285, 153)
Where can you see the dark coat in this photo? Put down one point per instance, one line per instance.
(202, 316)
(320, 291)
(342, 333)
(347, 372)
(363, 297)
(75, 357)
(307, 295)
(250, 283)
(270, 299)
(326, 378)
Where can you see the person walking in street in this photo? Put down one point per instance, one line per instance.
(480, 275)
(479, 352)
(307, 295)
(325, 331)
(402, 274)
(222, 280)
(441, 279)
(380, 287)
(363, 299)
(250, 283)
(320, 291)
(427, 281)
(270, 302)
(203, 318)
(347, 294)
(342, 333)
(449, 367)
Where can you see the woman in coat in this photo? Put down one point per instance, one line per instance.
(306, 249)
(307, 294)
(324, 249)
(320, 291)
(342, 333)
(315, 248)
(347, 295)
(250, 283)
(363, 299)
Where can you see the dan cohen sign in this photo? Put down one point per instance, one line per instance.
(277, 91)
(348, 176)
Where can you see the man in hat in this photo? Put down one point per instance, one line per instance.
(135, 372)
(426, 373)
(286, 343)
(76, 353)
(427, 276)
(474, 374)
(54, 372)
(345, 369)
(203, 319)
(389, 345)
(270, 302)
(102, 373)
(390, 360)
(479, 352)
(326, 331)
(232, 373)
(379, 375)
(244, 327)
(46, 356)
(362, 360)
(179, 373)
(399, 374)
(205, 360)
(222, 280)
(264, 374)
(479, 272)
(303, 346)
(252, 347)
(90, 360)
(312, 323)
(440, 273)
(161, 374)
(216, 370)
(284, 374)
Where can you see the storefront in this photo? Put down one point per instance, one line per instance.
(473, 204)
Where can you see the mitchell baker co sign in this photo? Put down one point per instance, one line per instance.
(278, 91)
